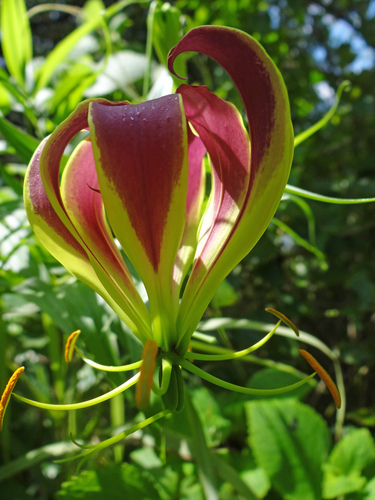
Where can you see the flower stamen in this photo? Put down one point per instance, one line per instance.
(232, 355)
(70, 345)
(143, 390)
(284, 319)
(8, 391)
(331, 386)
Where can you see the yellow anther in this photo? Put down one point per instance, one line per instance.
(331, 386)
(7, 393)
(70, 345)
(284, 319)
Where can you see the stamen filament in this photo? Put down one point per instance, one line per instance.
(238, 388)
(284, 319)
(83, 404)
(166, 368)
(232, 355)
(107, 368)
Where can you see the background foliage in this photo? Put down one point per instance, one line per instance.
(255, 448)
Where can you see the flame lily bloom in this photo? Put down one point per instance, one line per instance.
(139, 175)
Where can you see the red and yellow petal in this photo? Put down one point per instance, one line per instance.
(71, 245)
(194, 203)
(80, 192)
(142, 163)
(266, 103)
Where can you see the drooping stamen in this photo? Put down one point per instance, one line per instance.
(331, 386)
(284, 319)
(232, 355)
(239, 388)
(109, 368)
(7, 393)
(143, 390)
(83, 404)
(70, 345)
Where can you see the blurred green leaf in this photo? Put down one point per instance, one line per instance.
(16, 38)
(290, 442)
(62, 49)
(269, 378)
(347, 461)
(34, 457)
(114, 482)
(215, 427)
(23, 143)
(224, 296)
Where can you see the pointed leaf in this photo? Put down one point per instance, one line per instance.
(16, 38)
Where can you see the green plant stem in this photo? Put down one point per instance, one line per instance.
(150, 34)
(117, 412)
(200, 451)
(326, 199)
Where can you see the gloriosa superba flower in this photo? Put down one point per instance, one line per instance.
(139, 175)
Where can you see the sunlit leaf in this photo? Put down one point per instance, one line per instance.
(15, 38)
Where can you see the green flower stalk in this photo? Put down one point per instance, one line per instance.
(139, 175)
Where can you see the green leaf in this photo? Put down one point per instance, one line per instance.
(290, 442)
(69, 90)
(354, 452)
(225, 295)
(200, 451)
(349, 458)
(114, 482)
(335, 486)
(215, 427)
(24, 144)
(5, 99)
(62, 49)
(231, 476)
(269, 378)
(34, 457)
(370, 490)
(174, 478)
(16, 38)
